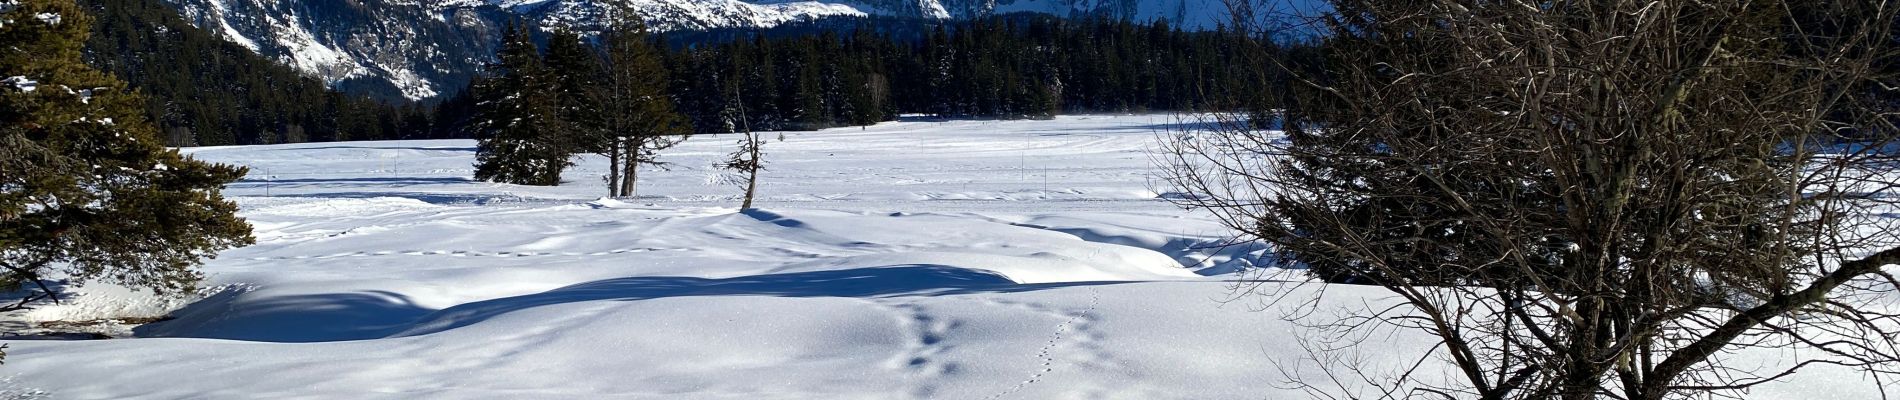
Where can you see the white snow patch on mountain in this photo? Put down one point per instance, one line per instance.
(228, 32)
(448, 4)
(670, 15)
(311, 56)
(232, 35)
(811, 9)
(412, 86)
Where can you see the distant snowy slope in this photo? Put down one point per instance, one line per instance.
(1190, 14)
(670, 15)
(420, 49)
(389, 48)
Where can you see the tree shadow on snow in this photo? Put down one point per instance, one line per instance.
(372, 181)
(446, 199)
(371, 145)
(371, 315)
(292, 319)
(772, 218)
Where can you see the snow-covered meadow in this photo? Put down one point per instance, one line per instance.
(918, 259)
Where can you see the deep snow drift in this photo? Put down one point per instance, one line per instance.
(956, 260)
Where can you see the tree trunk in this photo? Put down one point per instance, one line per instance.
(751, 182)
(630, 167)
(613, 168)
(633, 178)
(752, 173)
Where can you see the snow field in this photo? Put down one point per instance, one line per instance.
(917, 259)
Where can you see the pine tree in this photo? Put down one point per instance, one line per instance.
(760, 80)
(867, 91)
(576, 73)
(88, 192)
(804, 94)
(518, 124)
(639, 117)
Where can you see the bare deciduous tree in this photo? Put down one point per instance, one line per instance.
(749, 158)
(1585, 199)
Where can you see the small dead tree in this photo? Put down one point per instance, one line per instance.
(749, 158)
(1585, 199)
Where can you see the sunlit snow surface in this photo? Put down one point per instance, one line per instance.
(919, 259)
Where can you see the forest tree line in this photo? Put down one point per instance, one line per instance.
(209, 91)
(991, 68)
(1000, 67)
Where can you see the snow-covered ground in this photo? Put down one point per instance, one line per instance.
(920, 259)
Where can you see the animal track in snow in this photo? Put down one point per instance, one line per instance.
(1070, 331)
(919, 357)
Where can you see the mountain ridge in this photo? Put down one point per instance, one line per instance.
(420, 50)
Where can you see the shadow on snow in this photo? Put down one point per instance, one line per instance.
(372, 315)
(431, 198)
(380, 181)
(371, 145)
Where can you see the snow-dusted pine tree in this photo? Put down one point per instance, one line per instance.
(522, 137)
(88, 192)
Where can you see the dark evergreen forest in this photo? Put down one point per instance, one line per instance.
(840, 72)
(1000, 67)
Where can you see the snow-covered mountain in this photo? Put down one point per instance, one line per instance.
(386, 47)
(420, 49)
